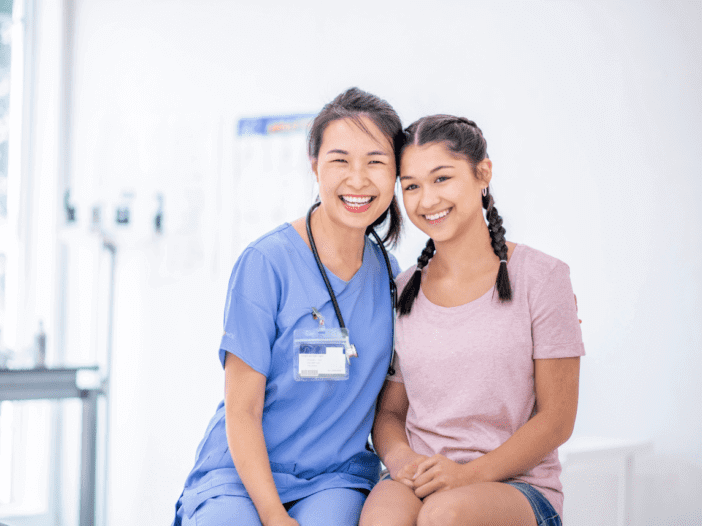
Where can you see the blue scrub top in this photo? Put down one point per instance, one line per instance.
(315, 431)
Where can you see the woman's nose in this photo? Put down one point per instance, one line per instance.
(357, 177)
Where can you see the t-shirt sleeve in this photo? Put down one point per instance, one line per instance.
(555, 328)
(250, 311)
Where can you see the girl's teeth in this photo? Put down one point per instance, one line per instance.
(434, 217)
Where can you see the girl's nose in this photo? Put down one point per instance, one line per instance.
(428, 199)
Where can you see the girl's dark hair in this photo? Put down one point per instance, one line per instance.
(462, 137)
(354, 104)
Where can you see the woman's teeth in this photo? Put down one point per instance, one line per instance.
(438, 215)
(356, 201)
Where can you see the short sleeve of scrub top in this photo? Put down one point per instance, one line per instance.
(249, 312)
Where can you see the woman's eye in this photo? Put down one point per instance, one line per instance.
(376, 162)
(409, 187)
(338, 160)
(442, 178)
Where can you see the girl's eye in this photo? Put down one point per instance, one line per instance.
(409, 187)
(376, 162)
(338, 160)
(442, 178)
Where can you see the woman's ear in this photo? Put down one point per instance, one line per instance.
(313, 164)
(484, 170)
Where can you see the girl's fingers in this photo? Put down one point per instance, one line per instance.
(407, 482)
(424, 466)
(427, 489)
(425, 477)
(406, 471)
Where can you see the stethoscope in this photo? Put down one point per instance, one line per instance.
(393, 287)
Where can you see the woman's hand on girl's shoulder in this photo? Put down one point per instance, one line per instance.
(438, 473)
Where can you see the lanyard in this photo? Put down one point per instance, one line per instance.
(393, 287)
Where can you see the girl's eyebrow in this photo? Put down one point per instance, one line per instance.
(402, 177)
(440, 168)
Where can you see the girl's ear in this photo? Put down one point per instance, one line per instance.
(484, 170)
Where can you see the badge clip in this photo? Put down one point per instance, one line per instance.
(318, 316)
(350, 352)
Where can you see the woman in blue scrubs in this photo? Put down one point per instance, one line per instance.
(287, 445)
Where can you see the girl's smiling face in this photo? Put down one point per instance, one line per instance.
(356, 172)
(441, 192)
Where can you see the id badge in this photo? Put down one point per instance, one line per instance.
(320, 354)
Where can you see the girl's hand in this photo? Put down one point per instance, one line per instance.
(438, 473)
(406, 472)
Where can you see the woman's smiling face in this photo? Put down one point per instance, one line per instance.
(356, 172)
(441, 192)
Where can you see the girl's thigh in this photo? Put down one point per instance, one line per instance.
(329, 507)
(485, 504)
(224, 510)
(391, 504)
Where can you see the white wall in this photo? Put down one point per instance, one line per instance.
(593, 116)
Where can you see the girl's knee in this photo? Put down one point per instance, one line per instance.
(375, 516)
(390, 504)
(438, 511)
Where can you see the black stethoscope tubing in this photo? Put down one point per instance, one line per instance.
(393, 287)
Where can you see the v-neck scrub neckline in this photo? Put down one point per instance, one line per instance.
(308, 256)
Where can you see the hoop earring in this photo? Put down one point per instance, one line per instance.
(485, 191)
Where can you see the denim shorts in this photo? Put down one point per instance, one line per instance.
(544, 512)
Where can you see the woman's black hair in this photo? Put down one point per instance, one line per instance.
(462, 137)
(354, 104)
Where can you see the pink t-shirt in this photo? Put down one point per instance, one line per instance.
(469, 370)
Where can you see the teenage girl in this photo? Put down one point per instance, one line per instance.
(487, 357)
(287, 445)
